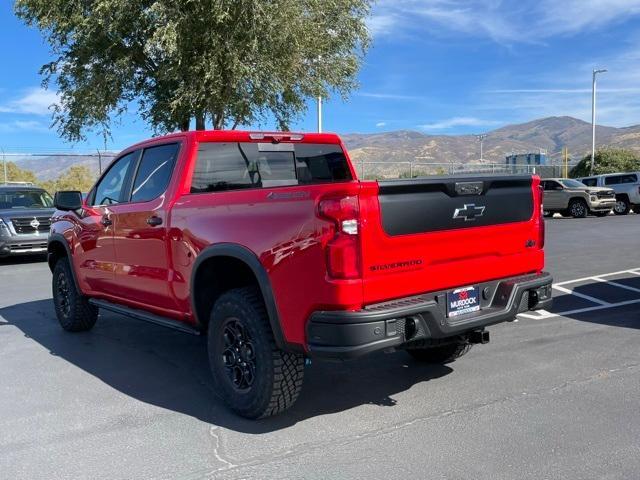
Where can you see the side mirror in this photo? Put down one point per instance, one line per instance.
(68, 200)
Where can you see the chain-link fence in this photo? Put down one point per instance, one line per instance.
(390, 170)
(49, 165)
(97, 162)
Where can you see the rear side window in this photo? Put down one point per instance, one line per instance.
(154, 172)
(612, 180)
(617, 179)
(232, 166)
(590, 182)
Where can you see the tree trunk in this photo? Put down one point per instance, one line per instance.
(218, 121)
(184, 124)
(200, 123)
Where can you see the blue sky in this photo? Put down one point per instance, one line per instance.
(436, 66)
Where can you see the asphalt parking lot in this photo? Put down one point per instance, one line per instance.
(554, 395)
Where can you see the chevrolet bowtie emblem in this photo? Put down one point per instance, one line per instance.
(469, 212)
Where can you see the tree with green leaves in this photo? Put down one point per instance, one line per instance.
(77, 177)
(17, 174)
(608, 160)
(223, 63)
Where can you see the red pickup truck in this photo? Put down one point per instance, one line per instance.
(268, 244)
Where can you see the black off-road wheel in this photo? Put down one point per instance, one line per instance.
(440, 354)
(578, 208)
(73, 309)
(253, 376)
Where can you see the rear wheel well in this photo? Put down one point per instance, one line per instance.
(215, 276)
(55, 251)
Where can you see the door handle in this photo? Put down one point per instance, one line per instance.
(154, 221)
(106, 221)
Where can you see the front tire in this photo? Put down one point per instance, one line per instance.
(622, 206)
(578, 208)
(73, 309)
(253, 376)
(442, 353)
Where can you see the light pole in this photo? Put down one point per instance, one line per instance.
(481, 138)
(319, 114)
(593, 117)
(4, 162)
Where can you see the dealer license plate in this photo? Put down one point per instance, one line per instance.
(462, 300)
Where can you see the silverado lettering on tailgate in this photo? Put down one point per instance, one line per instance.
(392, 266)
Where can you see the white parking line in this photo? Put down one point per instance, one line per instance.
(581, 295)
(616, 284)
(601, 304)
(633, 271)
(546, 314)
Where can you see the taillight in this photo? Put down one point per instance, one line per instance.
(343, 249)
(541, 226)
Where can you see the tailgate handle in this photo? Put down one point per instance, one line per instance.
(469, 188)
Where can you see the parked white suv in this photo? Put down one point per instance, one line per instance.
(626, 186)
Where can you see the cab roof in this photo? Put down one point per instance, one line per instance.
(245, 136)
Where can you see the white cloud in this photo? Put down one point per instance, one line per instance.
(381, 124)
(458, 122)
(36, 101)
(526, 21)
(389, 96)
(22, 126)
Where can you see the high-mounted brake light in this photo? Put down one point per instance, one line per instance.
(343, 249)
(276, 137)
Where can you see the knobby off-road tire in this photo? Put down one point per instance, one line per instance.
(253, 376)
(440, 354)
(73, 309)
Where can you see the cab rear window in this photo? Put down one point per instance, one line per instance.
(240, 165)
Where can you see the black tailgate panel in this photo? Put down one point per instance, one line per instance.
(445, 203)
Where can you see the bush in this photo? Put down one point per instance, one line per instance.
(607, 160)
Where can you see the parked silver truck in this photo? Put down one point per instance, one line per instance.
(626, 186)
(572, 198)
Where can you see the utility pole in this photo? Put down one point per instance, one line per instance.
(593, 117)
(565, 162)
(319, 114)
(481, 138)
(99, 162)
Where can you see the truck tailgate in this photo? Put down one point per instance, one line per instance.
(432, 234)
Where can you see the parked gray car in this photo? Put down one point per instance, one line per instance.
(25, 219)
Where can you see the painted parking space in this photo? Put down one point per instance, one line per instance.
(595, 293)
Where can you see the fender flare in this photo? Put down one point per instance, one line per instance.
(58, 238)
(250, 259)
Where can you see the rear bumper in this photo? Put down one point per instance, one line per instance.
(348, 334)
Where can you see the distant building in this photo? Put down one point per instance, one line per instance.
(539, 158)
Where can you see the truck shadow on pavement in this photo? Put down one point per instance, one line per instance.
(170, 369)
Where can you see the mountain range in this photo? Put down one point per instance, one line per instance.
(550, 134)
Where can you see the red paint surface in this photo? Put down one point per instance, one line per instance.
(150, 267)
